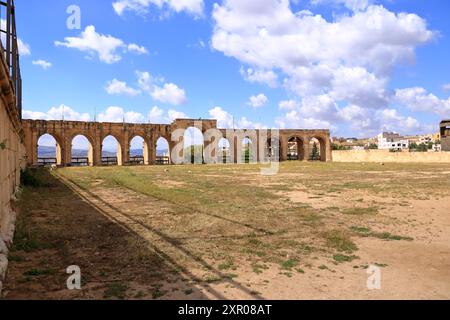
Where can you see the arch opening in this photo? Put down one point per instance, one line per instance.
(194, 146)
(295, 149)
(224, 154)
(111, 152)
(317, 149)
(82, 152)
(162, 152)
(138, 151)
(248, 151)
(49, 151)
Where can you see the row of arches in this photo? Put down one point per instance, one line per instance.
(82, 153)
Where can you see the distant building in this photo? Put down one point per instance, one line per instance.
(445, 135)
(392, 141)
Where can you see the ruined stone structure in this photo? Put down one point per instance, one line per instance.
(12, 149)
(65, 131)
(445, 135)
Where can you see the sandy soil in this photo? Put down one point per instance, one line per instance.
(104, 222)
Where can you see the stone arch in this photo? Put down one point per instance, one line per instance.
(317, 148)
(138, 156)
(249, 153)
(296, 148)
(162, 151)
(107, 157)
(53, 157)
(224, 153)
(83, 158)
(194, 146)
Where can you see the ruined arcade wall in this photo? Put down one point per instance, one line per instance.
(386, 156)
(12, 159)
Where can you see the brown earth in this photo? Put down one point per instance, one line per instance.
(226, 232)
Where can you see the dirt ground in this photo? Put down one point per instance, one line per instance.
(313, 231)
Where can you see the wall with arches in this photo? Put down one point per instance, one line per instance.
(65, 131)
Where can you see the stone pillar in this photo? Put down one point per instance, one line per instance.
(124, 158)
(97, 149)
(283, 149)
(307, 149)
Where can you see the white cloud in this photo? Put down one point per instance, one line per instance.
(327, 65)
(57, 113)
(170, 93)
(137, 49)
(42, 63)
(117, 87)
(24, 48)
(106, 47)
(418, 99)
(267, 77)
(193, 7)
(118, 115)
(288, 105)
(226, 121)
(156, 115)
(159, 116)
(166, 93)
(258, 101)
(173, 115)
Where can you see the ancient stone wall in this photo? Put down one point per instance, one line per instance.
(386, 156)
(64, 132)
(12, 159)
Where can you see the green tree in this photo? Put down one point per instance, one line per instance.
(315, 152)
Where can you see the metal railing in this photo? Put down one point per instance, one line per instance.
(110, 161)
(10, 49)
(162, 161)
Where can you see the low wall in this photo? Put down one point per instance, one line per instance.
(386, 156)
(12, 160)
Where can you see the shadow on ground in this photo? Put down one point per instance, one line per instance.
(58, 228)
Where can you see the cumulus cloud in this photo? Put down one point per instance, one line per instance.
(327, 65)
(116, 87)
(267, 77)
(159, 116)
(418, 99)
(117, 114)
(166, 92)
(137, 49)
(170, 93)
(193, 7)
(62, 112)
(288, 105)
(24, 48)
(43, 64)
(225, 120)
(106, 47)
(258, 101)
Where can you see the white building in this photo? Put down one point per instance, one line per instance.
(392, 141)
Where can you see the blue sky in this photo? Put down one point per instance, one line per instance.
(354, 66)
